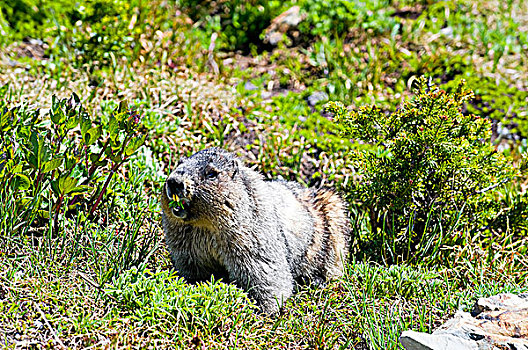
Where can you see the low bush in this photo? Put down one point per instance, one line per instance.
(60, 163)
(499, 102)
(428, 173)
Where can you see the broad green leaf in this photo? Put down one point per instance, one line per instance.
(113, 127)
(16, 169)
(92, 135)
(79, 189)
(43, 152)
(52, 165)
(66, 184)
(72, 122)
(71, 113)
(86, 123)
(22, 182)
(34, 140)
(55, 187)
(40, 151)
(54, 102)
(134, 144)
(57, 116)
(32, 160)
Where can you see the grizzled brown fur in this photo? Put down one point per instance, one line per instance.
(262, 235)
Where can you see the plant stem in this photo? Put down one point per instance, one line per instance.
(103, 190)
(56, 216)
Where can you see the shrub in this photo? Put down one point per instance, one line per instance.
(61, 163)
(493, 98)
(428, 171)
(500, 102)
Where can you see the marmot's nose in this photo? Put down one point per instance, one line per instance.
(175, 187)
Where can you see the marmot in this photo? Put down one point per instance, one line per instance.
(265, 236)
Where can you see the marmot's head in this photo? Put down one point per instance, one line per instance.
(201, 189)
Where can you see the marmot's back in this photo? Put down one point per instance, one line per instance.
(221, 217)
(316, 227)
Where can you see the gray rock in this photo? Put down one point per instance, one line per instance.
(249, 86)
(412, 340)
(447, 31)
(317, 97)
(282, 24)
(504, 302)
(498, 322)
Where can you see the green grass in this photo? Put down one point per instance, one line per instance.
(106, 281)
(370, 305)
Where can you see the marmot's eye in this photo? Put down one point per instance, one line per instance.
(211, 173)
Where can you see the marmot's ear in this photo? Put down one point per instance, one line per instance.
(235, 167)
(182, 159)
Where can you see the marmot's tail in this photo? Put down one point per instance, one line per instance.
(331, 232)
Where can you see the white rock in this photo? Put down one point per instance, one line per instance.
(497, 322)
(412, 340)
(283, 23)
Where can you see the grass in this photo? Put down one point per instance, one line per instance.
(107, 282)
(370, 307)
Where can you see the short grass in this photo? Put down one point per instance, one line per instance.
(108, 283)
(45, 303)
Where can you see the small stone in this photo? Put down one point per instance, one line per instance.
(317, 97)
(282, 24)
(447, 31)
(249, 86)
(265, 95)
(497, 322)
(412, 340)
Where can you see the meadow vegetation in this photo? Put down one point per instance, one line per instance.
(416, 110)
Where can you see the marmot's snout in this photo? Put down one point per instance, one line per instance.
(178, 192)
(175, 187)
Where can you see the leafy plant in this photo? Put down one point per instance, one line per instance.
(499, 102)
(428, 172)
(64, 162)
